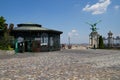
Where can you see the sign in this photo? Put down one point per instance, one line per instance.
(37, 39)
(42, 44)
(20, 39)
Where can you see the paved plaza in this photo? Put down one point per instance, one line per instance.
(74, 64)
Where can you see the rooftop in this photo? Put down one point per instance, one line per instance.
(33, 27)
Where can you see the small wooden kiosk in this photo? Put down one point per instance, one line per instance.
(35, 38)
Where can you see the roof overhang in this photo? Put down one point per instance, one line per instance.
(34, 27)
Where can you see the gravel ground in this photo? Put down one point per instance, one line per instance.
(61, 65)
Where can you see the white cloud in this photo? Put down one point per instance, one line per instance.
(98, 8)
(69, 34)
(74, 36)
(73, 33)
(116, 7)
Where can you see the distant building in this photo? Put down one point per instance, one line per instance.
(94, 39)
(35, 38)
(111, 42)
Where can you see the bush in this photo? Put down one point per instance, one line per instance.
(5, 43)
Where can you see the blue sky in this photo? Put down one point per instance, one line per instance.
(69, 16)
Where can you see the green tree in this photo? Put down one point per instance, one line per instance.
(5, 39)
(101, 44)
(2, 22)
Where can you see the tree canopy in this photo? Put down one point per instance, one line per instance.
(101, 44)
(4, 38)
(2, 22)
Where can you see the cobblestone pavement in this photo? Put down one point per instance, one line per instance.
(61, 65)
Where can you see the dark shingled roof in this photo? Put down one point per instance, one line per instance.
(33, 27)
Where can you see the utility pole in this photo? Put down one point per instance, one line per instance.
(69, 40)
(69, 44)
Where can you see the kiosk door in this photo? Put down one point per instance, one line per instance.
(36, 46)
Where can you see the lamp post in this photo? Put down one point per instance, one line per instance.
(69, 44)
(69, 40)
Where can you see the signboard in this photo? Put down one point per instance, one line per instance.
(20, 39)
(42, 44)
(37, 39)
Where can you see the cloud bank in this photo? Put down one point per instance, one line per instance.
(116, 7)
(73, 33)
(98, 8)
(74, 36)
